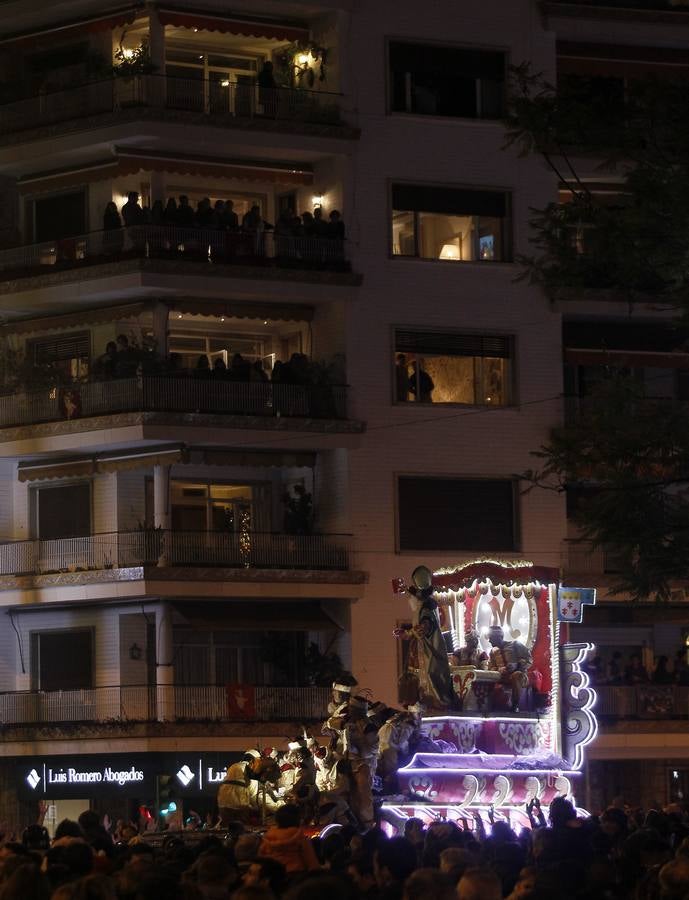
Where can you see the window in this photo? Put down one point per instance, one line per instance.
(62, 660)
(431, 80)
(456, 514)
(455, 224)
(442, 367)
(250, 657)
(200, 506)
(63, 511)
(65, 354)
(61, 216)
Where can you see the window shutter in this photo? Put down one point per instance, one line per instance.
(61, 347)
(448, 201)
(448, 344)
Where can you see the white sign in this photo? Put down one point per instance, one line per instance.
(185, 775)
(71, 775)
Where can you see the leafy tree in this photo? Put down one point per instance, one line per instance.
(626, 456)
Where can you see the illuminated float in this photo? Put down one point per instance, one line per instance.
(512, 737)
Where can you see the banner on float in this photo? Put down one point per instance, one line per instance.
(571, 603)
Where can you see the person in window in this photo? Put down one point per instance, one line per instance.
(229, 219)
(421, 384)
(336, 227)
(204, 213)
(107, 363)
(170, 212)
(113, 237)
(402, 378)
(320, 226)
(203, 369)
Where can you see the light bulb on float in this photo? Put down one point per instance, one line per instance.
(450, 251)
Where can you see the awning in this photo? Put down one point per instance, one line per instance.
(130, 162)
(272, 458)
(72, 320)
(231, 310)
(232, 25)
(610, 60)
(106, 22)
(97, 465)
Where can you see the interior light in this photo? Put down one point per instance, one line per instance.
(128, 53)
(303, 59)
(449, 251)
(225, 83)
(179, 315)
(200, 55)
(318, 199)
(196, 31)
(222, 318)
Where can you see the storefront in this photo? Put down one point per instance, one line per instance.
(121, 784)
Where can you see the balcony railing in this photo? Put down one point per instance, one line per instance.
(142, 703)
(167, 393)
(249, 549)
(645, 701)
(219, 101)
(206, 246)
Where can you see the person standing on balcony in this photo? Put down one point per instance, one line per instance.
(267, 93)
(134, 220)
(185, 213)
(113, 238)
(635, 673)
(170, 212)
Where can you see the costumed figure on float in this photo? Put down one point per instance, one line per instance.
(510, 736)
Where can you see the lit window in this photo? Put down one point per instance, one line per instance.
(445, 367)
(449, 224)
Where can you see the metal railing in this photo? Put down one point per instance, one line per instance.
(220, 101)
(644, 701)
(141, 703)
(173, 242)
(249, 549)
(584, 559)
(167, 393)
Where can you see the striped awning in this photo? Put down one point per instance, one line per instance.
(75, 319)
(230, 309)
(100, 464)
(256, 28)
(129, 162)
(92, 25)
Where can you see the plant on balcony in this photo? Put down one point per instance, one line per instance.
(323, 669)
(300, 61)
(132, 61)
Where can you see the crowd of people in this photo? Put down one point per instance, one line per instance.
(217, 219)
(615, 670)
(623, 854)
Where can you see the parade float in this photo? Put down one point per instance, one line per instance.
(520, 715)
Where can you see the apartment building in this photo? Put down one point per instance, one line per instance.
(222, 434)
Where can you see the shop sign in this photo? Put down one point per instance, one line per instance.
(71, 775)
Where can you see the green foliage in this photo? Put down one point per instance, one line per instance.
(627, 457)
(636, 245)
(322, 669)
(130, 62)
(301, 74)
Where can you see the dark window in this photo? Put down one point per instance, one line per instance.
(60, 217)
(448, 223)
(64, 511)
(62, 660)
(446, 367)
(456, 514)
(446, 81)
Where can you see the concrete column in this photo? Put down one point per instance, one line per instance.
(165, 670)
(160, 322)
(161, 508)
(156, 46)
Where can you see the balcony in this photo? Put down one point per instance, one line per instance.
(169, 394)
(169, 98)
(235, 254)
(582, 559)
(647, 701)
(153, 547)
(140, 704)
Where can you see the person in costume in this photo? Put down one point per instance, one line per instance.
(471, 654)
(430, 657)
(241, 793)
(511, 659)
(361, 742)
